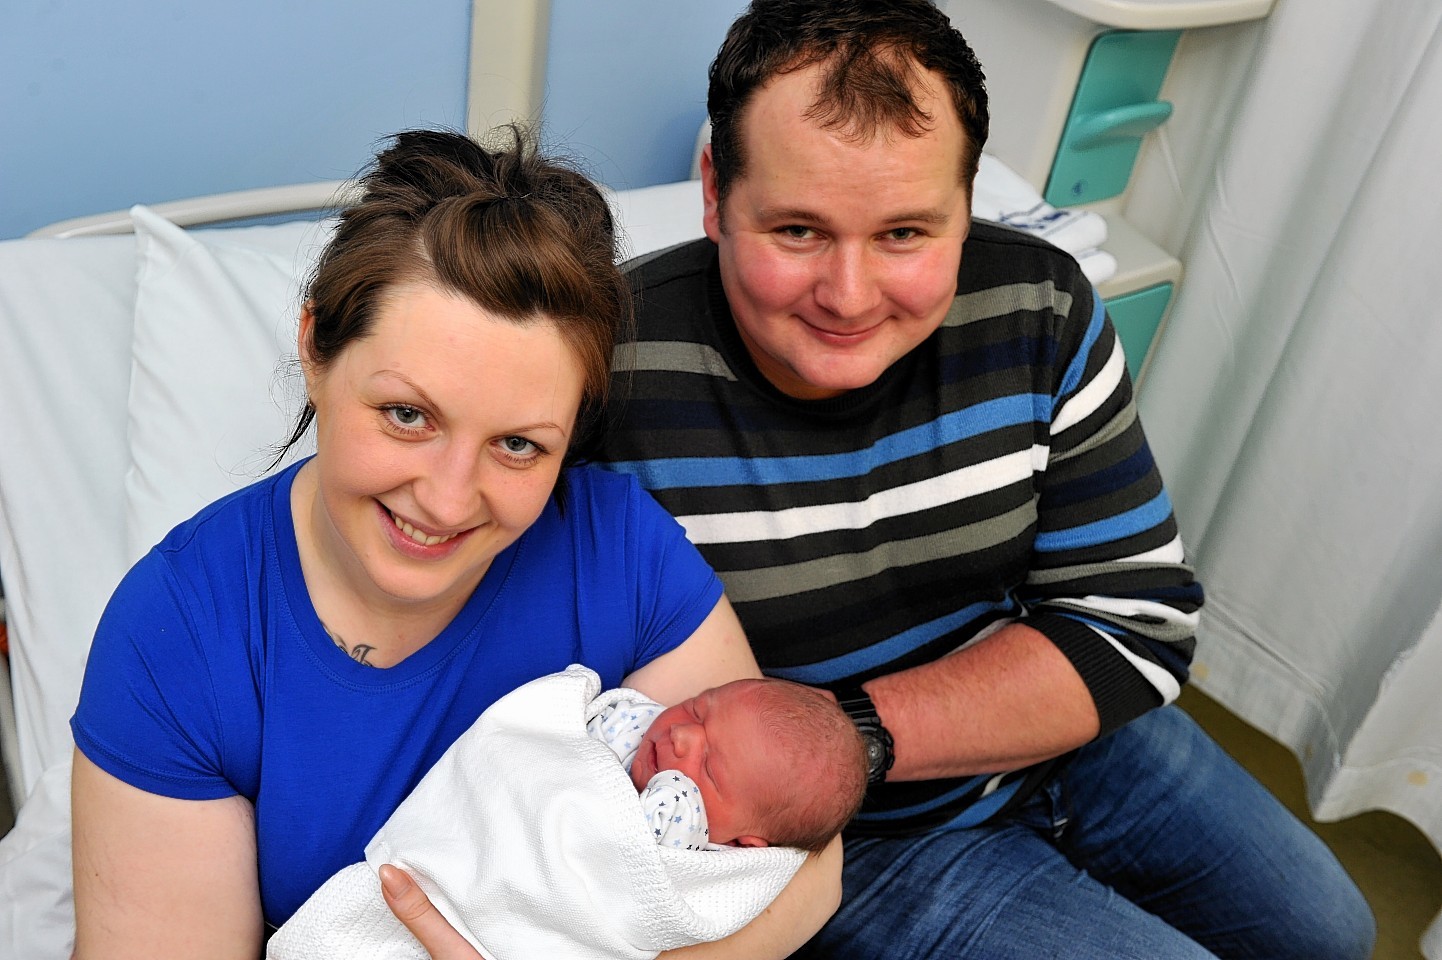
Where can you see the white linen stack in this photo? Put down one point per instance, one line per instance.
(1004, 196)
(528, 836)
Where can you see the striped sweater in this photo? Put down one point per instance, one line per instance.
(996, 472)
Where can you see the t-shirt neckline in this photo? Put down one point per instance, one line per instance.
(332, 660)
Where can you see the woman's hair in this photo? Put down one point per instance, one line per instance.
(521, 236)
(870, 52)
(808, 726)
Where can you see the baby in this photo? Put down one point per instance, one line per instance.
(738, 765)
(526, 837)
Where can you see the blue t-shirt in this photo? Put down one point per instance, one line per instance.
(211, 674)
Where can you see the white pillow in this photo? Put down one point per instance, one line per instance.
(210, 394)
(66, 309)
(654, 218)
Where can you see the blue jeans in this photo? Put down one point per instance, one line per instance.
(1152, 844)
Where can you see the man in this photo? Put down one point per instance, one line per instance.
(907, 443)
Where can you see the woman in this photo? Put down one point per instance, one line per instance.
(275, 676)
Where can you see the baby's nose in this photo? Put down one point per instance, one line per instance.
(684, 738)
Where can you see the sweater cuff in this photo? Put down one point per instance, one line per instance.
(1120, 693)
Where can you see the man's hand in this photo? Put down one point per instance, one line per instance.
(414, 909)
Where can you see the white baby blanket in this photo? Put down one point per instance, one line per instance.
(527, 835)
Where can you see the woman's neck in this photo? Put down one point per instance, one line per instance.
(370, 626)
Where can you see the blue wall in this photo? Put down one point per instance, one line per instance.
(626, 83)
(103, 105)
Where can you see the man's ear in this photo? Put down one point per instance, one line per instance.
(749, 841)
(711, 215)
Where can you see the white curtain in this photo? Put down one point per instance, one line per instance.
(1294, 397)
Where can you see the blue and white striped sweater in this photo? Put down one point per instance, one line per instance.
(996, 472)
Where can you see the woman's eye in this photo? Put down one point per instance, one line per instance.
(406, 417)
(519, 446)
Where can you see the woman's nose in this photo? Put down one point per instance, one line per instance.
(450, 492)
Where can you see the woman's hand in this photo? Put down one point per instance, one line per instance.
(414, 909)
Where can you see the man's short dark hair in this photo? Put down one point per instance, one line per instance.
(870, 50)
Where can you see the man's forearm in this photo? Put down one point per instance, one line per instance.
(1007, 701)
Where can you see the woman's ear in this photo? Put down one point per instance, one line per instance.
(304, 345)
(305, 348)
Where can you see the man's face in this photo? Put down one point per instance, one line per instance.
(838, 255)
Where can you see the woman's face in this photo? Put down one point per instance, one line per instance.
(439, 438)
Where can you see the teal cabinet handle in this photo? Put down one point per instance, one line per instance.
(1117, 102)
(1119, 123)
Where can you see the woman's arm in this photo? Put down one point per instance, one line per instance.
(157, 877)
(716, 653)
(808, 901)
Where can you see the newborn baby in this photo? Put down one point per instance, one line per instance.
(738, 765)
(525, 834)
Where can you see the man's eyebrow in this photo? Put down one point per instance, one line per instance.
(930, 215)
(926, 215)
(789, 213)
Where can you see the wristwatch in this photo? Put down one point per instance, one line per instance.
(880, 754)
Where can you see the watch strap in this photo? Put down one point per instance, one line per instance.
(881, 753)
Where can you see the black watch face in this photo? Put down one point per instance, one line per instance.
(875, 752)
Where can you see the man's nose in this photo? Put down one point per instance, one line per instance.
(848, 288)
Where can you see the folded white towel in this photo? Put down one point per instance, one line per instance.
(1098, 265)
(1004, 196)
(528, 837)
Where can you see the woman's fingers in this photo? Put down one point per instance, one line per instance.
(414, 909)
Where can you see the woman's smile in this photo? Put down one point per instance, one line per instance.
(414, 541)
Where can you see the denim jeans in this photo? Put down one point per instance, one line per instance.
(1151, 844)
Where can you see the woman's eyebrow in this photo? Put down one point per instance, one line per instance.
(430, 404)
(415, 387)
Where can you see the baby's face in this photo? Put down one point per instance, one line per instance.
(717, 740)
